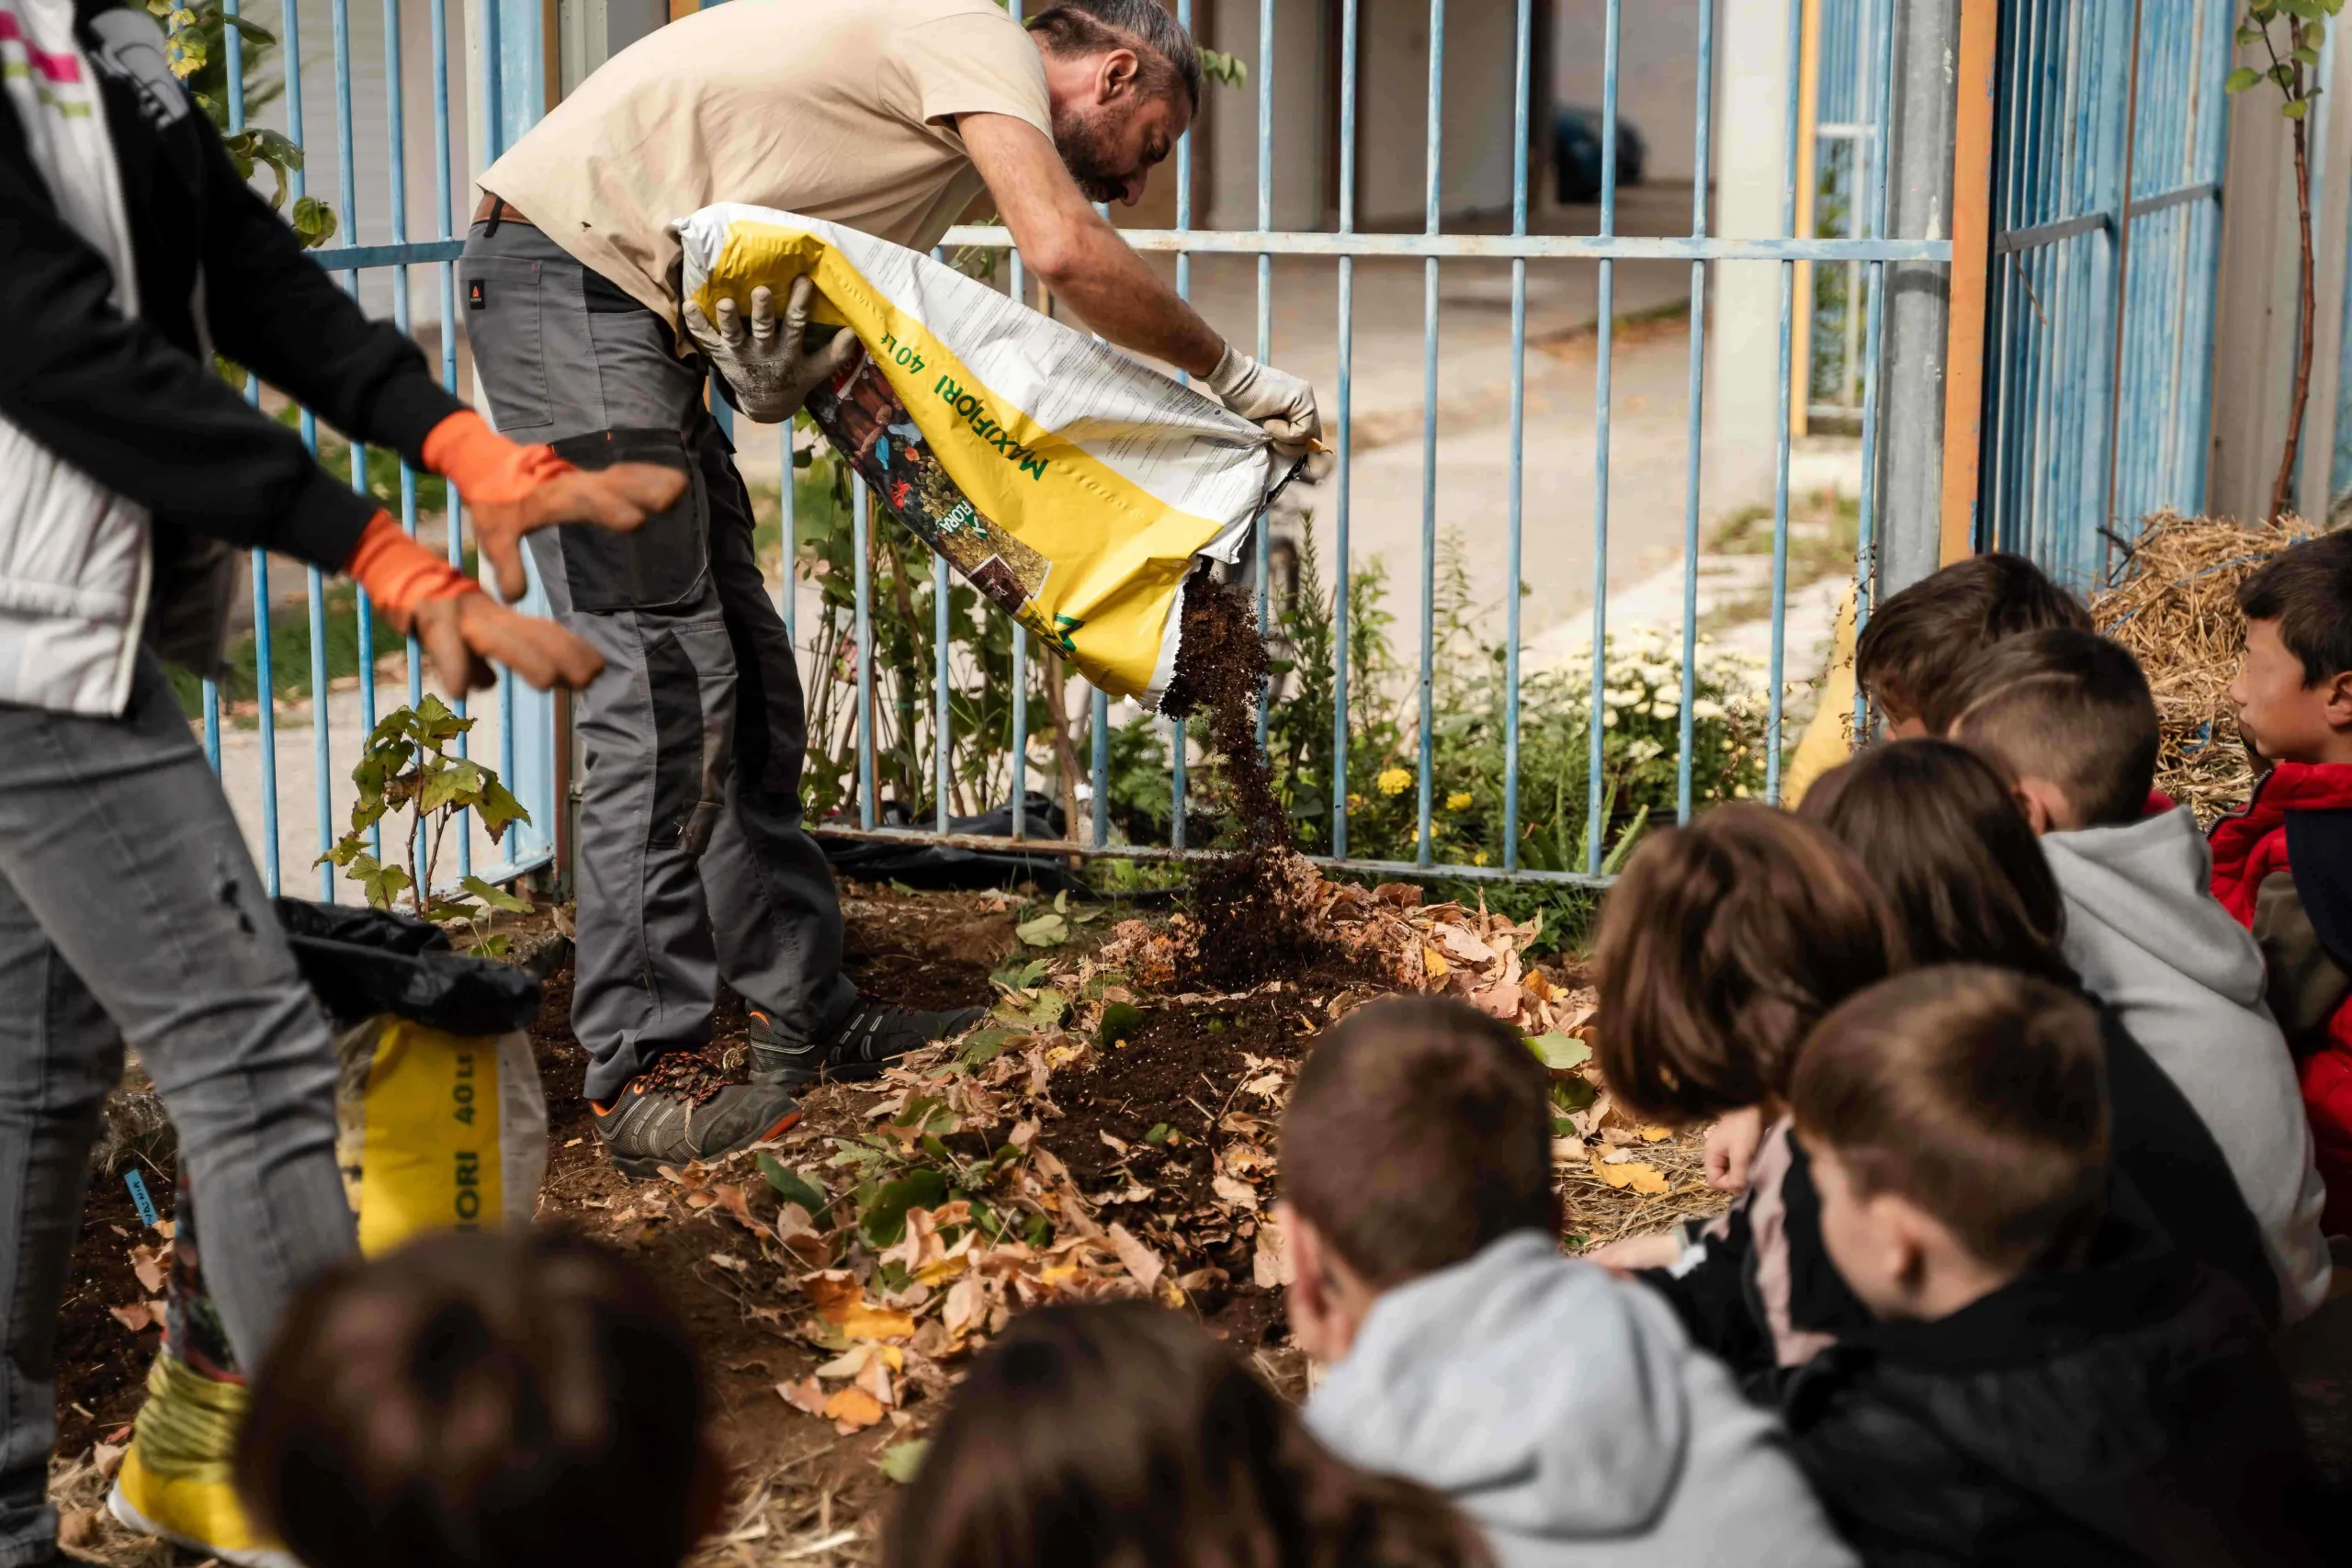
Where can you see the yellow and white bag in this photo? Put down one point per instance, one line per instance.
(1073, 485)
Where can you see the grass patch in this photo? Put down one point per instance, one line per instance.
(1825, 528)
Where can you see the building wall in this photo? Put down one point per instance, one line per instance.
(1657, 72)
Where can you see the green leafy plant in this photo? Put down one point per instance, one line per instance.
(1228, 70)
(409, 773)
(2284, 36)
(197, 38)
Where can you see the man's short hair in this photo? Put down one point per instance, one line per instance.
(1721, 943)
(2069, 707)
(1419, 1131)
(525, 1398)
(1918, 639)
(1168, 56)
(2307, 589)
(1979, 1094)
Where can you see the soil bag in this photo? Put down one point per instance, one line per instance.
(440, 1124)
(1073, 486)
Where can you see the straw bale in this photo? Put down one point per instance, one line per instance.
(2174, 604)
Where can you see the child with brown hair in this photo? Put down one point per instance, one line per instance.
(1721, 945)
(1916, 641)
(1121, 1433)
(2045, 1380)
(515, 1399)
(2282, 865)
(1565, 1410)
(1940, 828)
(2067, 716)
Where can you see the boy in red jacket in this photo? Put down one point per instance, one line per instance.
(2283, 865)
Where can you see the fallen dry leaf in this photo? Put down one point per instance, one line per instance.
(851, 1409)
(1638, 1174)
(1269, 1262)
(140, 1315)
(1241, 1194)
(804, 1395)
(152, 1264)
(1141, 1261)
(1657, 1134)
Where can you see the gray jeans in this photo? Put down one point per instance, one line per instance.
(130, 909)
(693, 864)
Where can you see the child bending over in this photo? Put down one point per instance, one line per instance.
(2068, 716)
(1563, 1409)
(522, 1399)
(1720, 946)
(2283, 865)
(1121, 1433)
(1920, 638)
(1941, 830)
(2046, 1381)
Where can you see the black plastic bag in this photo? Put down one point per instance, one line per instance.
(362, 962)
(939, 865)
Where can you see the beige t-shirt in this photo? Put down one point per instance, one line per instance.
(837, 110)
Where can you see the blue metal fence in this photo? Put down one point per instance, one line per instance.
(509, 96)
(2110, 131)
(509, 99)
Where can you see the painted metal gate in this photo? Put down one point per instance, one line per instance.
(376, 242)
(2110, 134)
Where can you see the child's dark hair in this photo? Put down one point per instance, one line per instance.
(1977, 1093)
(2307, 589)
(1721, 943)
(2070, 706)
(1122, 1434)
(1941, 831)
(518, 1399)
(1419, 1130)
(1917, 640)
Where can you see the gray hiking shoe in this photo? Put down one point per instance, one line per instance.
(645, 1129)
(875, 1034)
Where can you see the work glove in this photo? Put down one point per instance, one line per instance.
(513, 490)
(461, 628)
(1280, 402)
(765, 363)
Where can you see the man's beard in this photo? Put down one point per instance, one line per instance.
(1080, 139)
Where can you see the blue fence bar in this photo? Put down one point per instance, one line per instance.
(2100, 311)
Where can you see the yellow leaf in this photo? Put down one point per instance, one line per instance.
(1657, 1134)
(1432, 961)
(1643, 1179)
(852, 1409)
(876, 1323)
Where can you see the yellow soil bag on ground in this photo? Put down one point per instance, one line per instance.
(437, 1128)
(1071, 484)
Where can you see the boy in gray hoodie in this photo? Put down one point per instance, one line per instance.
(1563, 1409)
(2068, 716)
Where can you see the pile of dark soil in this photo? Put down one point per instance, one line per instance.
(1251, 927)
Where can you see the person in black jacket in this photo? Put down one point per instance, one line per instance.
(2046, 1379)
(131, 252)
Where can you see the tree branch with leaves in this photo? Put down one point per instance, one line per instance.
(2286, 36)
(412, 785)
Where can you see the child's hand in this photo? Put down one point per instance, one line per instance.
(1730, 1144)
(1656, 1251)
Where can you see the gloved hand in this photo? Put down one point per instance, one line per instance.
(513, 490)
(767, 364)
(1283, 403)
(461, 628)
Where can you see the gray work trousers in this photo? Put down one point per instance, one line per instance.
(693, 864)
(130, 908)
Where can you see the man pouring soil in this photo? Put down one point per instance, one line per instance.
(887, 116)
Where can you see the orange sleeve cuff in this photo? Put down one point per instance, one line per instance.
(399, 574)
(487, 469)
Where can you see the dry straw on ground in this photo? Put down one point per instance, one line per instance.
(2174, 607)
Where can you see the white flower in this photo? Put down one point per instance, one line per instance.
(1643, 750)
(1705, 708)
(1621, 696)
(1609, 720)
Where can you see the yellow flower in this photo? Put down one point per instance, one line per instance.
(1356, 801)
(1478, 859)
(1458, 801)
(1396, 781)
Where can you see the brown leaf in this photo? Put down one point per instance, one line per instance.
(875, 1379)
(1141, 1261)
(77, 1528)
(1270, 1265)
(966, 1304)
(731, 1198)
(806, 1394)
(1239, 1194)
(851, 1409)
(152, 1264)
(139, 1315)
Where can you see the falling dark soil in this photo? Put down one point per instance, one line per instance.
(1251, 929)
